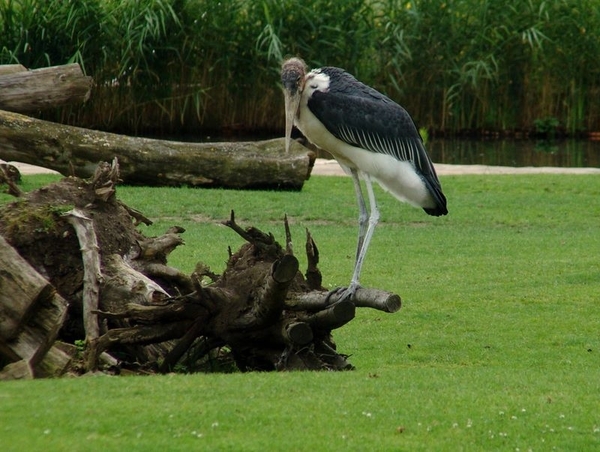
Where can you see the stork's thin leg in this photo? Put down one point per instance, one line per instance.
(373, 220)
(366, 227)
(363, 215)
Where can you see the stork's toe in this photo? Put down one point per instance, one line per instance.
(343, 293)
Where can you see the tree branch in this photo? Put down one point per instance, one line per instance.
(92, 277)
(363, 298)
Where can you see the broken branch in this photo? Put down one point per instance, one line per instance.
(84, 228)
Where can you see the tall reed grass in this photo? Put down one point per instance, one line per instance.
(181, 66)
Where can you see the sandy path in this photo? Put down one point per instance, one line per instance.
(325, 167)
(331, 168)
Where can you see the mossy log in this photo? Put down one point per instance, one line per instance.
(261, 313)
(76, 151)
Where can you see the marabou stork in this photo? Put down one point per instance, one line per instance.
(371, 137)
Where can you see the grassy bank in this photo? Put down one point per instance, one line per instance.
(188, 66)
(496, 346)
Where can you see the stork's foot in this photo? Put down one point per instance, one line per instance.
(343, 293)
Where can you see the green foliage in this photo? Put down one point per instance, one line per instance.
(424, 135)
(495, 347)
(546, 126)
(38, 220)
(182, 65)
(46, 33)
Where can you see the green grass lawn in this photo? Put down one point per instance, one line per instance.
(496, 347)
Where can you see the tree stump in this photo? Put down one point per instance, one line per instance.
(261, 313)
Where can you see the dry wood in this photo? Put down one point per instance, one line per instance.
(37, 337)
(18, 370)
(6, 69)
(26, 91)
(296, 333)
(75, 151)
(260, 310)
(92, 276)
(31, 314)
(123, 282)
(21, 288)
(364, 298)
(57, 361)
(270, 297)
(313, 274)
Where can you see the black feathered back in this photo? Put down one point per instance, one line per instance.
(363, 117)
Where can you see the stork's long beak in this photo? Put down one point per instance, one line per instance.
(292, 78)
(292, 102)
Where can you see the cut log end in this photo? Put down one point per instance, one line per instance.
(298, 333)
(377, 299)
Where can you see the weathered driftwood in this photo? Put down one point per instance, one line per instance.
(262, 309)
(92, 276)
(6, 69)
(75, 151)
(26, 91)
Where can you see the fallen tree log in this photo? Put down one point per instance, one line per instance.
(76, 151)
(261, 313)
(27, 91)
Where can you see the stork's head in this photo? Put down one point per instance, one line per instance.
(293, 72)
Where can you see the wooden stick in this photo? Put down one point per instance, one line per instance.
(363, 298)
(92, 276)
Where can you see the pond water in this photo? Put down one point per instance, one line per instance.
(561, 153)
(564, 153)
(494, 152)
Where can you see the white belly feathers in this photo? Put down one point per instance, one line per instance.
(395, 176)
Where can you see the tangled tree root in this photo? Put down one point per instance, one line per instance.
(126, 300)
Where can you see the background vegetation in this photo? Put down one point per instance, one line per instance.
(496, 347)
(180, 66)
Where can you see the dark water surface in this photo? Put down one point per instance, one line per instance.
(495, 152)
(563, 153)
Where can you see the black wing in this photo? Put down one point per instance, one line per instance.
(361, 116)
